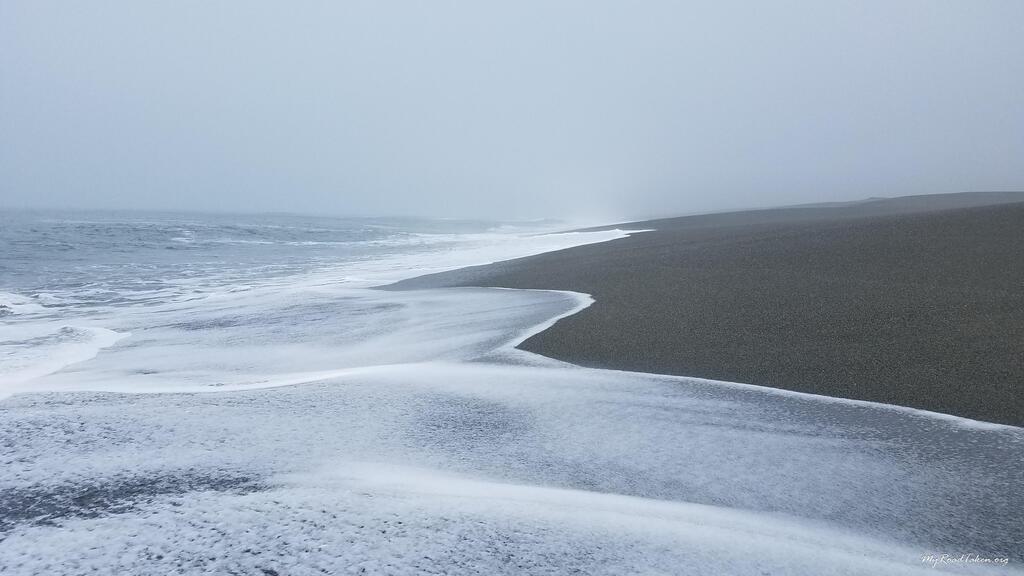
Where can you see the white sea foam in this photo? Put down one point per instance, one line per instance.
(459, 466)
(399, 520)
(32, 351)
(472, 250)
(408, 448)
(11, 304)
(270, 332)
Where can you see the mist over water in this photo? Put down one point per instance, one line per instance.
(590, 109)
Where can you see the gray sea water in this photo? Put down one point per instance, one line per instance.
(81, 258)
(208, 297)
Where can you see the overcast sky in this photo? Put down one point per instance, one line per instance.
(516, 109)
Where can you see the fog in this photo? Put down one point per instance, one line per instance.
(581, 110)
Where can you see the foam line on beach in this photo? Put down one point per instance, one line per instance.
(583, 301)
(586, 300)
(917, 412)
(55, 348)
(697, 525)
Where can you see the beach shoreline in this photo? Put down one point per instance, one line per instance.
(913, 301)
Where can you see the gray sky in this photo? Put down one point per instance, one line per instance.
(518, 109)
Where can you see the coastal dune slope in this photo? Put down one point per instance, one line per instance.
(915, 301)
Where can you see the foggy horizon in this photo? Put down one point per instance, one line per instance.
(576, 111)
(569, 221)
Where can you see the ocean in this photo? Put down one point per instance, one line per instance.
(232, 395)
(193, 301)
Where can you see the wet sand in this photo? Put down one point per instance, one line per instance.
(915, 301)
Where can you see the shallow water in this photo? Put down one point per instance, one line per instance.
(298, 422)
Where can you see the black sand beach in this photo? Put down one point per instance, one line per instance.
(915, 301)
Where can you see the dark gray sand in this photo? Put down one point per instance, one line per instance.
(914, 301)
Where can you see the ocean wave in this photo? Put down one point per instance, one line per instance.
(31, 351)
(16, 304)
